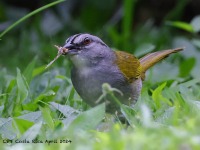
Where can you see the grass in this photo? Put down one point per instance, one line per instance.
(42, 106)
(29, 15)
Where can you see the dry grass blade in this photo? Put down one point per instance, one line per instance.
(61, 51)
(59, 54)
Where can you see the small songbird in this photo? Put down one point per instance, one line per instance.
(95, 63)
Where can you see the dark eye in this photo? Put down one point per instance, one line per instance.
(87, 41)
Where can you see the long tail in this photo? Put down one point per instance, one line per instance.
(152, 58)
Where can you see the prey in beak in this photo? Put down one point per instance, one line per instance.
(61, 51)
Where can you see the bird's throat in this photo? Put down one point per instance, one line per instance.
(79, 62)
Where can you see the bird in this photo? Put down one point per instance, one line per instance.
(96, 64)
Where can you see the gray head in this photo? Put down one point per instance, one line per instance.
(83, 42)
(86, 48)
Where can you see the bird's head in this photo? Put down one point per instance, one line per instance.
(86, 49)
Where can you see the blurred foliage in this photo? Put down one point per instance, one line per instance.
(38, 104)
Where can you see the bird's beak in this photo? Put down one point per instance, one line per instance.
(71, 49)
(68, 46)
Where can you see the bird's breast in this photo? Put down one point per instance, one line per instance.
(88, 81)
(88, 84)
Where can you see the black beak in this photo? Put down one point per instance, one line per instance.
(72, 48)
(69, 46)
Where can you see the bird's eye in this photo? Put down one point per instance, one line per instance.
(87, 41)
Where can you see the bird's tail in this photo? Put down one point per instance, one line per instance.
(152, 58)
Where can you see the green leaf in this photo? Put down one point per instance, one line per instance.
(45, 97)
(195, 23)
(190, 82)
(196, 42)
(87, 120)
(28, 72)
(10, 98)
(11, 85)
(32, 116)
(6, 128)
(30, 107)
(21, 125)
(46, 113)
(32, 132)
(165, 116)
(69, 112)
(130, 115)
(144, 49)
(22, 87)
(181, 25)
(64, 78)
(38, 70)
(186, 67)
(158, 97)
(185, 93)
(66, 110)
(127, 21)
(71, 94)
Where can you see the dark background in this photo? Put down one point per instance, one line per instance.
(133, 26)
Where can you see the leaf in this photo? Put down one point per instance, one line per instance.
(87, 120)
(127, 20)
(22, 87)
(11, 85)
(30, 107)
(195, 23)
(158, 97)
(1, 108)
(66, 110)
(144, 49)
(32, 132)
(21, 125)
(196, 42)
(64, 78)
(69, 112)
(6, 129)
(10, 98)
(38, 70)
(190, 83)
(32, 116)
(165, 116)
(130, 115)
(45, 97)
(28, 72)
(186, 67)
(71, 94)
(46, 113)
(196, 104)
(181, 25)
(185, 93)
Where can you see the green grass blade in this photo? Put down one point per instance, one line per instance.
(29, 15)
(129, 6)
(22, 87)
(46, 113)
